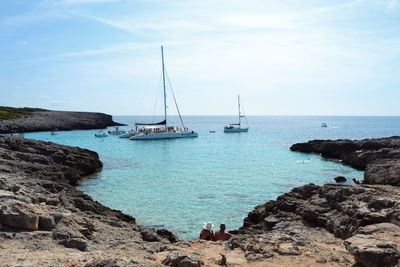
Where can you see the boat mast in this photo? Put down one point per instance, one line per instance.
(165, 93)
(239, 109)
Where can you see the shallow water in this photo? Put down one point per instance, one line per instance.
(217, 177)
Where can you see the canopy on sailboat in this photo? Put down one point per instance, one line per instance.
(234, 123)
(164, 122)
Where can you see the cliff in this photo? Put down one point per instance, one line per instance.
(14, 120)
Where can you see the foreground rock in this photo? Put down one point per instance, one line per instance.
(42, 212)
(46, 120)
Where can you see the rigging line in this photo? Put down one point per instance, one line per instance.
(244, 115)
(176, 103)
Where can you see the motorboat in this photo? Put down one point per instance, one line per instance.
(128, 134)
(116, 131)
(101, 134)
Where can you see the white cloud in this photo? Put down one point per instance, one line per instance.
(392, 4)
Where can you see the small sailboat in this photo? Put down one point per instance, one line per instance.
(116, 131)
(324, 125)
(236, 127)
(162, 130)
(101, 134)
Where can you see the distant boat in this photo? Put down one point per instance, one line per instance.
(53, 132)
(101, 134)
(324, 125)
(237, 127)
(212, 131)
(128, 134)
(161, 130)
(116, 131)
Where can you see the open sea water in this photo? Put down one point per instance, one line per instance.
(218, 177)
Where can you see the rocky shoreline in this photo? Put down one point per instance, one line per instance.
(49, 120)
(46, 221)
(333, 224)
(41, 211)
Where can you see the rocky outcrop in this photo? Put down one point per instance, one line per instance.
(380, 157)
(289, 225)
(376, 245)
(47, 120)
(42, 211)
(360, 220)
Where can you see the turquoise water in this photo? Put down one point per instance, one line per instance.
(216, 177)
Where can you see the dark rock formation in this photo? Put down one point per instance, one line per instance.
(46, 120)
(182, 261)
(380, 158)
(340, 179)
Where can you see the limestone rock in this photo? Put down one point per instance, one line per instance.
(76, 243)
(46, 222)
(182, 261)
(18, 216)
(372, 252)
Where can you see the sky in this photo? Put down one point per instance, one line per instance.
(285, 57)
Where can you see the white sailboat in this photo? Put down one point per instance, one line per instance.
(162, 130)
(236, 127)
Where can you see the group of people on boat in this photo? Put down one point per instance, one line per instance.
(208, 234)
(159, 130)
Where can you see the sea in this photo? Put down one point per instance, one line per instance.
(218, 177)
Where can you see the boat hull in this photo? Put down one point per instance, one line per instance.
(236, 130)
(161, 136)
(126, 135)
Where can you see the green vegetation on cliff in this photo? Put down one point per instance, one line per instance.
(10, 113)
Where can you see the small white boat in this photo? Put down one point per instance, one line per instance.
(116, 131)
(128, 134)
(101, 134)
(161, 130)
(324, 125)
(53, 133)
(237, 127)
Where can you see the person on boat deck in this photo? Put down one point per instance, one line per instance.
(221, 235)
(207, 232)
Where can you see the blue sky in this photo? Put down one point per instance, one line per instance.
(284, 57)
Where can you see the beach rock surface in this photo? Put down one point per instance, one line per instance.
(48, 120)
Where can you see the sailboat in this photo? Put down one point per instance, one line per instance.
(236, 127)
(162, 130)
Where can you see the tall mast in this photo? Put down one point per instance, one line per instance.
(165, 93)
(239, 108)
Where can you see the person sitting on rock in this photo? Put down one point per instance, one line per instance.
(221, 235)
(207, 232)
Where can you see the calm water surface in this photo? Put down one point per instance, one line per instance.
(216, 177)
